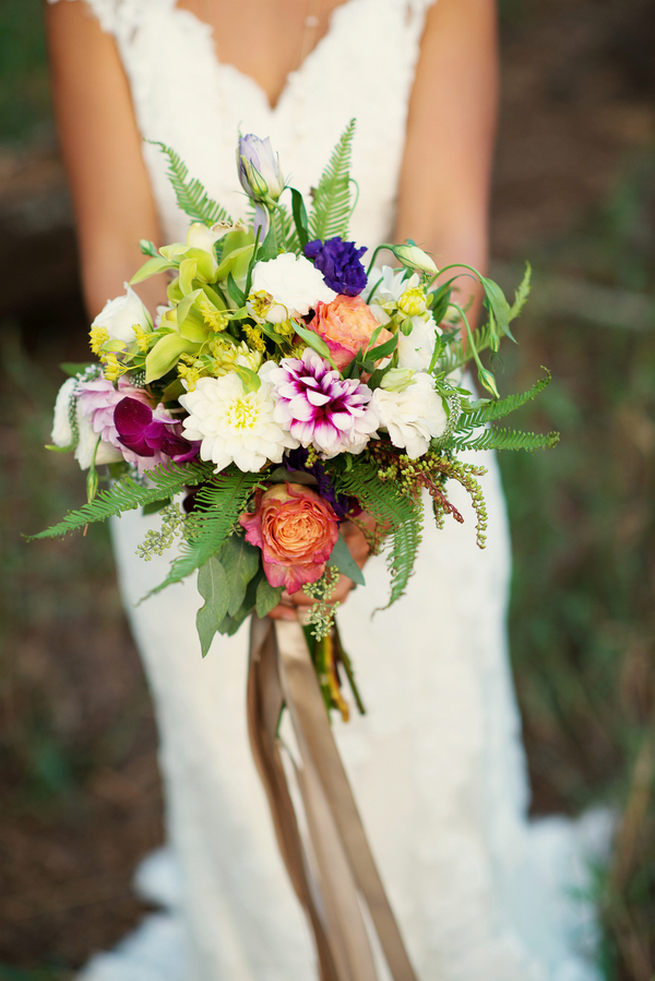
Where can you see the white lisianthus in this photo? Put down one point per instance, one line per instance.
(415, 349)
(412, 416)
(120, 315)
(62, 431)
(84, 437)
(235, 426)
(293, 284)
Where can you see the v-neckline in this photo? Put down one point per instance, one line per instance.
(271, 107)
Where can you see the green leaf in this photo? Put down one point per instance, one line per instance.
(126, 494)
(219, 502)
(212, 586)
(72, 369)
(522, 293)
(315, 342)
(440, 301)
(497, 305)
(191, 195)
(240, 561)
(331, 207)
(237, 294)
(507, 439)
(299, 217)
(249, 378)
(382, 350)
(341, 559)
(267, 596)
(151, 267)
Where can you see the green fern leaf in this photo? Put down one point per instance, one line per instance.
(331, 208)
(522, 293)
(126, 494)
(402, 514)
(498, 408)
(506, 439)
(192, 197)
(285, 230)
(219, 505)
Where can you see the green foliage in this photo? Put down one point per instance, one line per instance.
(267, 596)
(488, 411)
(212, 586)
(400, 513)
(522, 293)
(192, 197)
(219, 504)
(331, 207)
(506, 439)
(127, 494)
(342, 560)
(285, 229)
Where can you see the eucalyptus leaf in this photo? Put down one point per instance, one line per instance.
(342, 560)
(240, 560)
(267, 596)
(212, 586)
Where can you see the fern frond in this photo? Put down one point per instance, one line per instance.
(402, 514)
(191, 195)
(458, 351)
(501, 407)
(505, 439)
(285, 230)
(127, 494)
(522, 293)
(331, 210)
(219, 504)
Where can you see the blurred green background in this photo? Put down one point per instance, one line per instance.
(574, 193)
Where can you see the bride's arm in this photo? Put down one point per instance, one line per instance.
(444, 187)
(101, 148)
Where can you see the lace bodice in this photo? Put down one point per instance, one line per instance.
(363, 67)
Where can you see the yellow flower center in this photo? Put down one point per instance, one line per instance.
(242, 413)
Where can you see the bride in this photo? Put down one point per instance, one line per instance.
(480, 892)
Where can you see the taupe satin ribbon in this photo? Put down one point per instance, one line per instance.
(333, 871)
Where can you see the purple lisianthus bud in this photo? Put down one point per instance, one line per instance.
(259, 169)
(151, 435)
(339, 263)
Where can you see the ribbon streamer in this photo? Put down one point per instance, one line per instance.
(331, 867)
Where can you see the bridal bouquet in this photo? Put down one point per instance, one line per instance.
(288, 385)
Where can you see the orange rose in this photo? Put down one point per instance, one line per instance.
(296, 530)
(346, 325)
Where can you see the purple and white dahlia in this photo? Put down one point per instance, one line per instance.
(320, 408)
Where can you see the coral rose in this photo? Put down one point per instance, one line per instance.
(346, 325)
(296, 531)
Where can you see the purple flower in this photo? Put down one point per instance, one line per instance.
(339, 263)
(342, 504)
(320, 408)
(154, 436)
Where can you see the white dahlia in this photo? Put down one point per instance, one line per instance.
(235, 426)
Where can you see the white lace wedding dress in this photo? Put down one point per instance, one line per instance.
(437, 763)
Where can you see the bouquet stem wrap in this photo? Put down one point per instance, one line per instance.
(333, 871)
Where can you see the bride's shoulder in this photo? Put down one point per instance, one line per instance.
(115, 16)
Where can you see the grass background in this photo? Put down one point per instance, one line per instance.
(574, 193)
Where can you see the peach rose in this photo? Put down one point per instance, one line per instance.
(295, 529)
(346, 325)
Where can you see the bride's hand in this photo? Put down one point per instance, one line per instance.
(293, 604)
